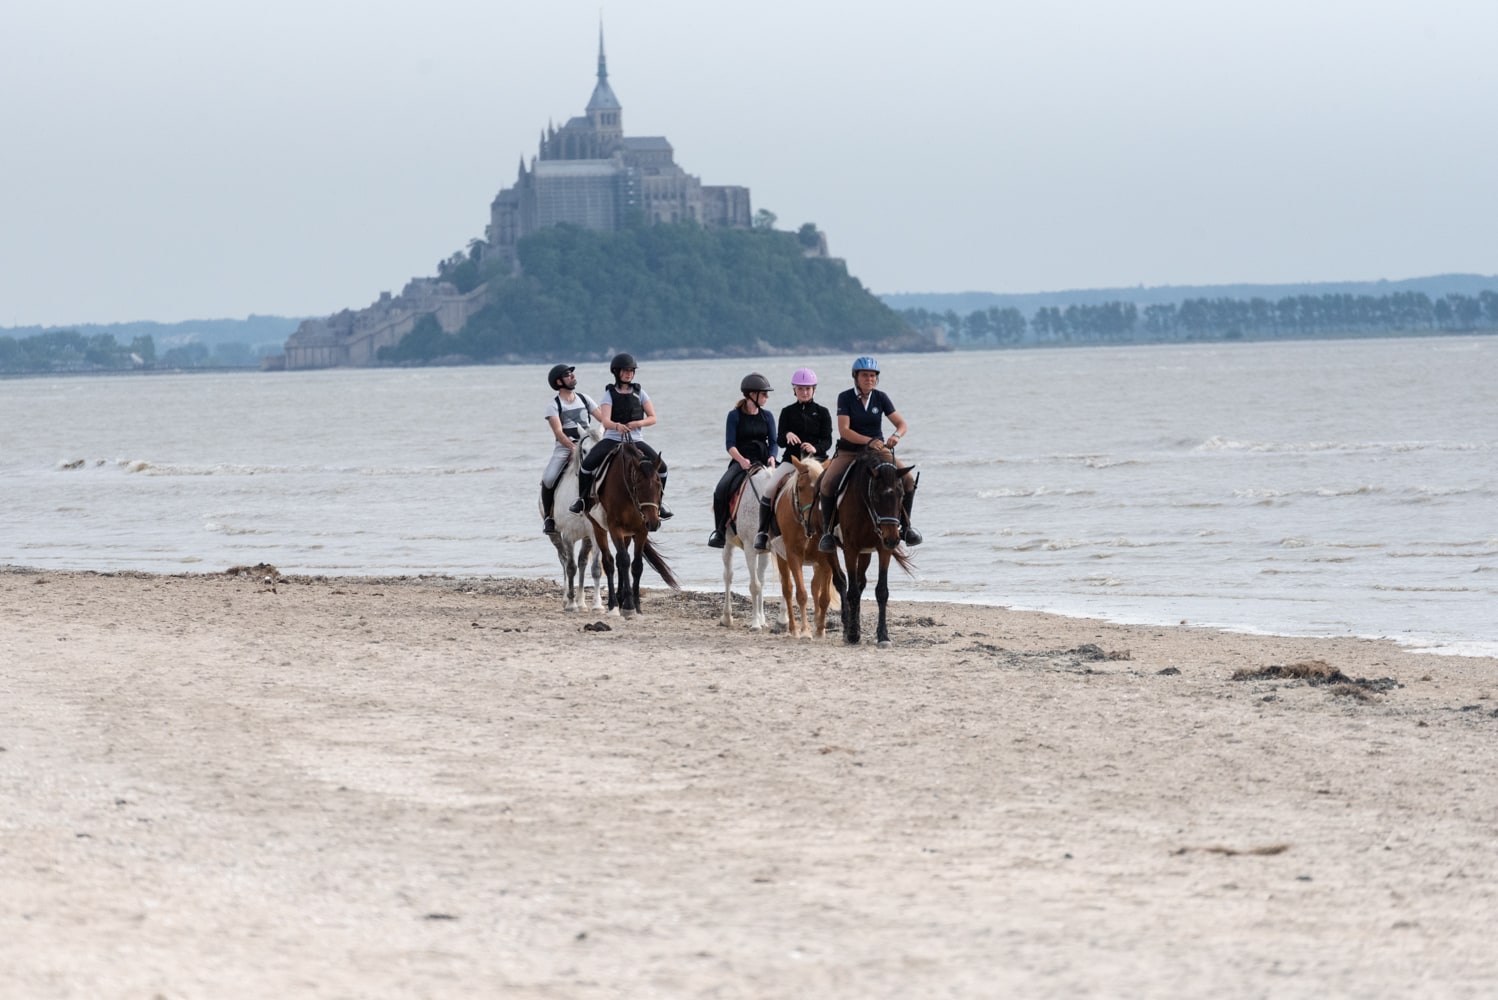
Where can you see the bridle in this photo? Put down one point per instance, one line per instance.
(868, 494)
(632, 480)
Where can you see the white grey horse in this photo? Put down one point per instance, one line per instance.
(574, 537)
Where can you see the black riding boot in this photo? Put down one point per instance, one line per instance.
(908, 534)
(584, 493)
(715, 540)
(548, 509)
(829, 519)
(766, 518)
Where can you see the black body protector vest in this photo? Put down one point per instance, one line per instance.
(626, 407)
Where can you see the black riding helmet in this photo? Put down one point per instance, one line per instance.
(557, 373)
(621, 362)
(754, 382)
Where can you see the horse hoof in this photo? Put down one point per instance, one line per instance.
(885, 644)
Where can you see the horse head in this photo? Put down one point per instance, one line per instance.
(885, 493)
(645, 487)
(808, 471)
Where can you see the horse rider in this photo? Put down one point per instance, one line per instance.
(805, 431)
(568, 416)
(624, 408)
(861, 411)
(749, 437)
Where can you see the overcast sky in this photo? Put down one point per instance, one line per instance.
(176, 159)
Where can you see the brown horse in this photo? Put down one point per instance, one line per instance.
(628, 509)
(799, 517)
(868, 515)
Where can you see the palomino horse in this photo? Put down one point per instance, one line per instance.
(799, 518)
(628, 509)
(740, 532)
(574, 536)
(868, 515)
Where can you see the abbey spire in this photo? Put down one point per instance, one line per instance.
(604, 110)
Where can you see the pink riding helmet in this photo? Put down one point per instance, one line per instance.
(804, 376)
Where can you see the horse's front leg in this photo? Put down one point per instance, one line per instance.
(821, 594)
(858, 577)
(756, 561)
(785, 595)
(569, 565)
(727, 620)
(638, 570)
(803, 608)
(591, 558)
(622, 560)
(881, 592)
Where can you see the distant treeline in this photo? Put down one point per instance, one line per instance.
(70, 351)
(1216, 319)
(660, 290)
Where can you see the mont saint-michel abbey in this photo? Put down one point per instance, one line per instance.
(587, 173)
(591, 174)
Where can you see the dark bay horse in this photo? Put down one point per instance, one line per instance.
(799, 518)
(628, 509)
(868, 515)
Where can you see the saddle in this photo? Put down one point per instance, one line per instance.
(600, 472)
(735, 499)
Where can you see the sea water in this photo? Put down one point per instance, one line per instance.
(1326, 488)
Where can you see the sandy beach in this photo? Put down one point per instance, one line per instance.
(217, 787)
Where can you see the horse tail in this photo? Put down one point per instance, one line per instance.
(903, 558)
(658, 563)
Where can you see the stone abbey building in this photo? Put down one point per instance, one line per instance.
(587, 173)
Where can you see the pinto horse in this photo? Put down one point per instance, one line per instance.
(868, 514)
(574, 536)
(628, 509)
(799, 517)
(742, 528)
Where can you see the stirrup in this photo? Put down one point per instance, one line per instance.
(715, 540)
(550, 527)
(578, 506)
(910, 536)
(663, 512)
(762, 542)
(827, 543)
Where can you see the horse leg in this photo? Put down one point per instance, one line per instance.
(622, 561)
(785, 593)
(593, 560)
(638, 569)
(573, 576)
(564, 556)
(858, 578)
(881, 592)
(803, 598)
(727, 620)
(821, 593)
(756, 563)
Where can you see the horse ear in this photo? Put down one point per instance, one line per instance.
(906, 471)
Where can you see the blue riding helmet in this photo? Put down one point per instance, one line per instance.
(865, 364)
